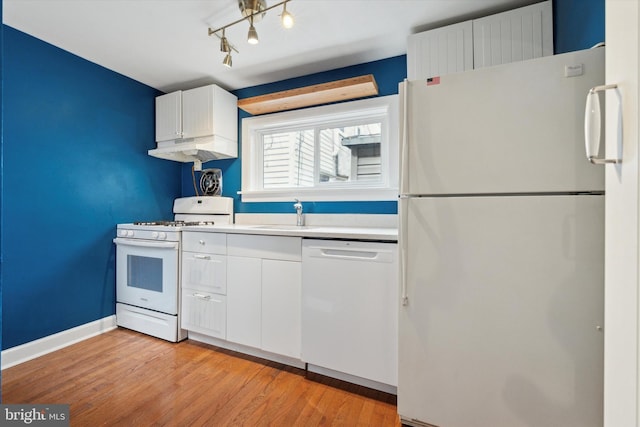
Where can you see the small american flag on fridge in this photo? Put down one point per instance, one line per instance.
(433, 81)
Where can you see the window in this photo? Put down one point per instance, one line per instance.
(346, 151)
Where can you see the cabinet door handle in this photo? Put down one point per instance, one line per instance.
(202, 296)
(202, 256)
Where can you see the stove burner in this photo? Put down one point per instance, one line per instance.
(164, 223)
(173, 223)
(199, 223)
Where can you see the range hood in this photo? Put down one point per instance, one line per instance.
(196, 149)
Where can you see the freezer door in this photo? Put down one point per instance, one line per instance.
(512, 128)
(503, 325)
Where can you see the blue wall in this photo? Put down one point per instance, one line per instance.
(387, 72)
(578, 24)
(75, 146)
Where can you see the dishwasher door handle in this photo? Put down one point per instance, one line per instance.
(349, 254)
(361, 254)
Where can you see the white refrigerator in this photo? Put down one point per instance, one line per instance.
(502, 248)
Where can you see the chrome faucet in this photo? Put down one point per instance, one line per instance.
(299, 218)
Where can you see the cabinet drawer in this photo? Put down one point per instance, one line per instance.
(211, 243)
(265, 247)
(204, 272)
(204, 312)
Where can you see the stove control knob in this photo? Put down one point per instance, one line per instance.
(122, 233)
(162, 235)
(154, 235)
(129, 233)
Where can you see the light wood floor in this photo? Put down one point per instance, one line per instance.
(123, 378)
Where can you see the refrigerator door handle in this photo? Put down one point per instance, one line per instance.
(403, 198)
(592, 125)
(404, 140)
(403, 205)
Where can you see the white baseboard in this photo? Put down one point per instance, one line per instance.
(24, 352)
(387, 388)
(285, 360)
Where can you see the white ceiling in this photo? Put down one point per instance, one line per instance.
(164, 43)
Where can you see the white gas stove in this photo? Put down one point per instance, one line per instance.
(148, 265)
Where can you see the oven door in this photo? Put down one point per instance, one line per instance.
(147, 274)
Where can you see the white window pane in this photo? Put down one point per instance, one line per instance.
(288, 159)
(351, 153)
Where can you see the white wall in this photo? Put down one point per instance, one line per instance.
(622, 231)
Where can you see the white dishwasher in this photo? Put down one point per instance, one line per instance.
(350, 310)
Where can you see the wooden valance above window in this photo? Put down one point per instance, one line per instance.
(324, 93)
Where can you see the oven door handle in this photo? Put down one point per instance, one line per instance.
(145, 244)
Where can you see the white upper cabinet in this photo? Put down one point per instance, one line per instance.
(169, 116)
(209, 110)
(197, 113)
(441, 51)
(516, 35)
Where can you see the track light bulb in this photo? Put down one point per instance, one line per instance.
(252, 36)
(286, 17)
(227, 60)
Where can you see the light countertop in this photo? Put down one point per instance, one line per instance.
(308, 231)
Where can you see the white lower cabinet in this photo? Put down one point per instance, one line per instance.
(244, 302)
(204, 283)
(281, 299)
(264, 276)
(246, 292)
(204, 312)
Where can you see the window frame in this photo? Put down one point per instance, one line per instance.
(383, 108)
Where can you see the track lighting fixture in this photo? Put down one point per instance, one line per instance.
(227, 60)
(224, 44)
(252, 7)
(252, 36)
(253, 11)
(286, 17)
